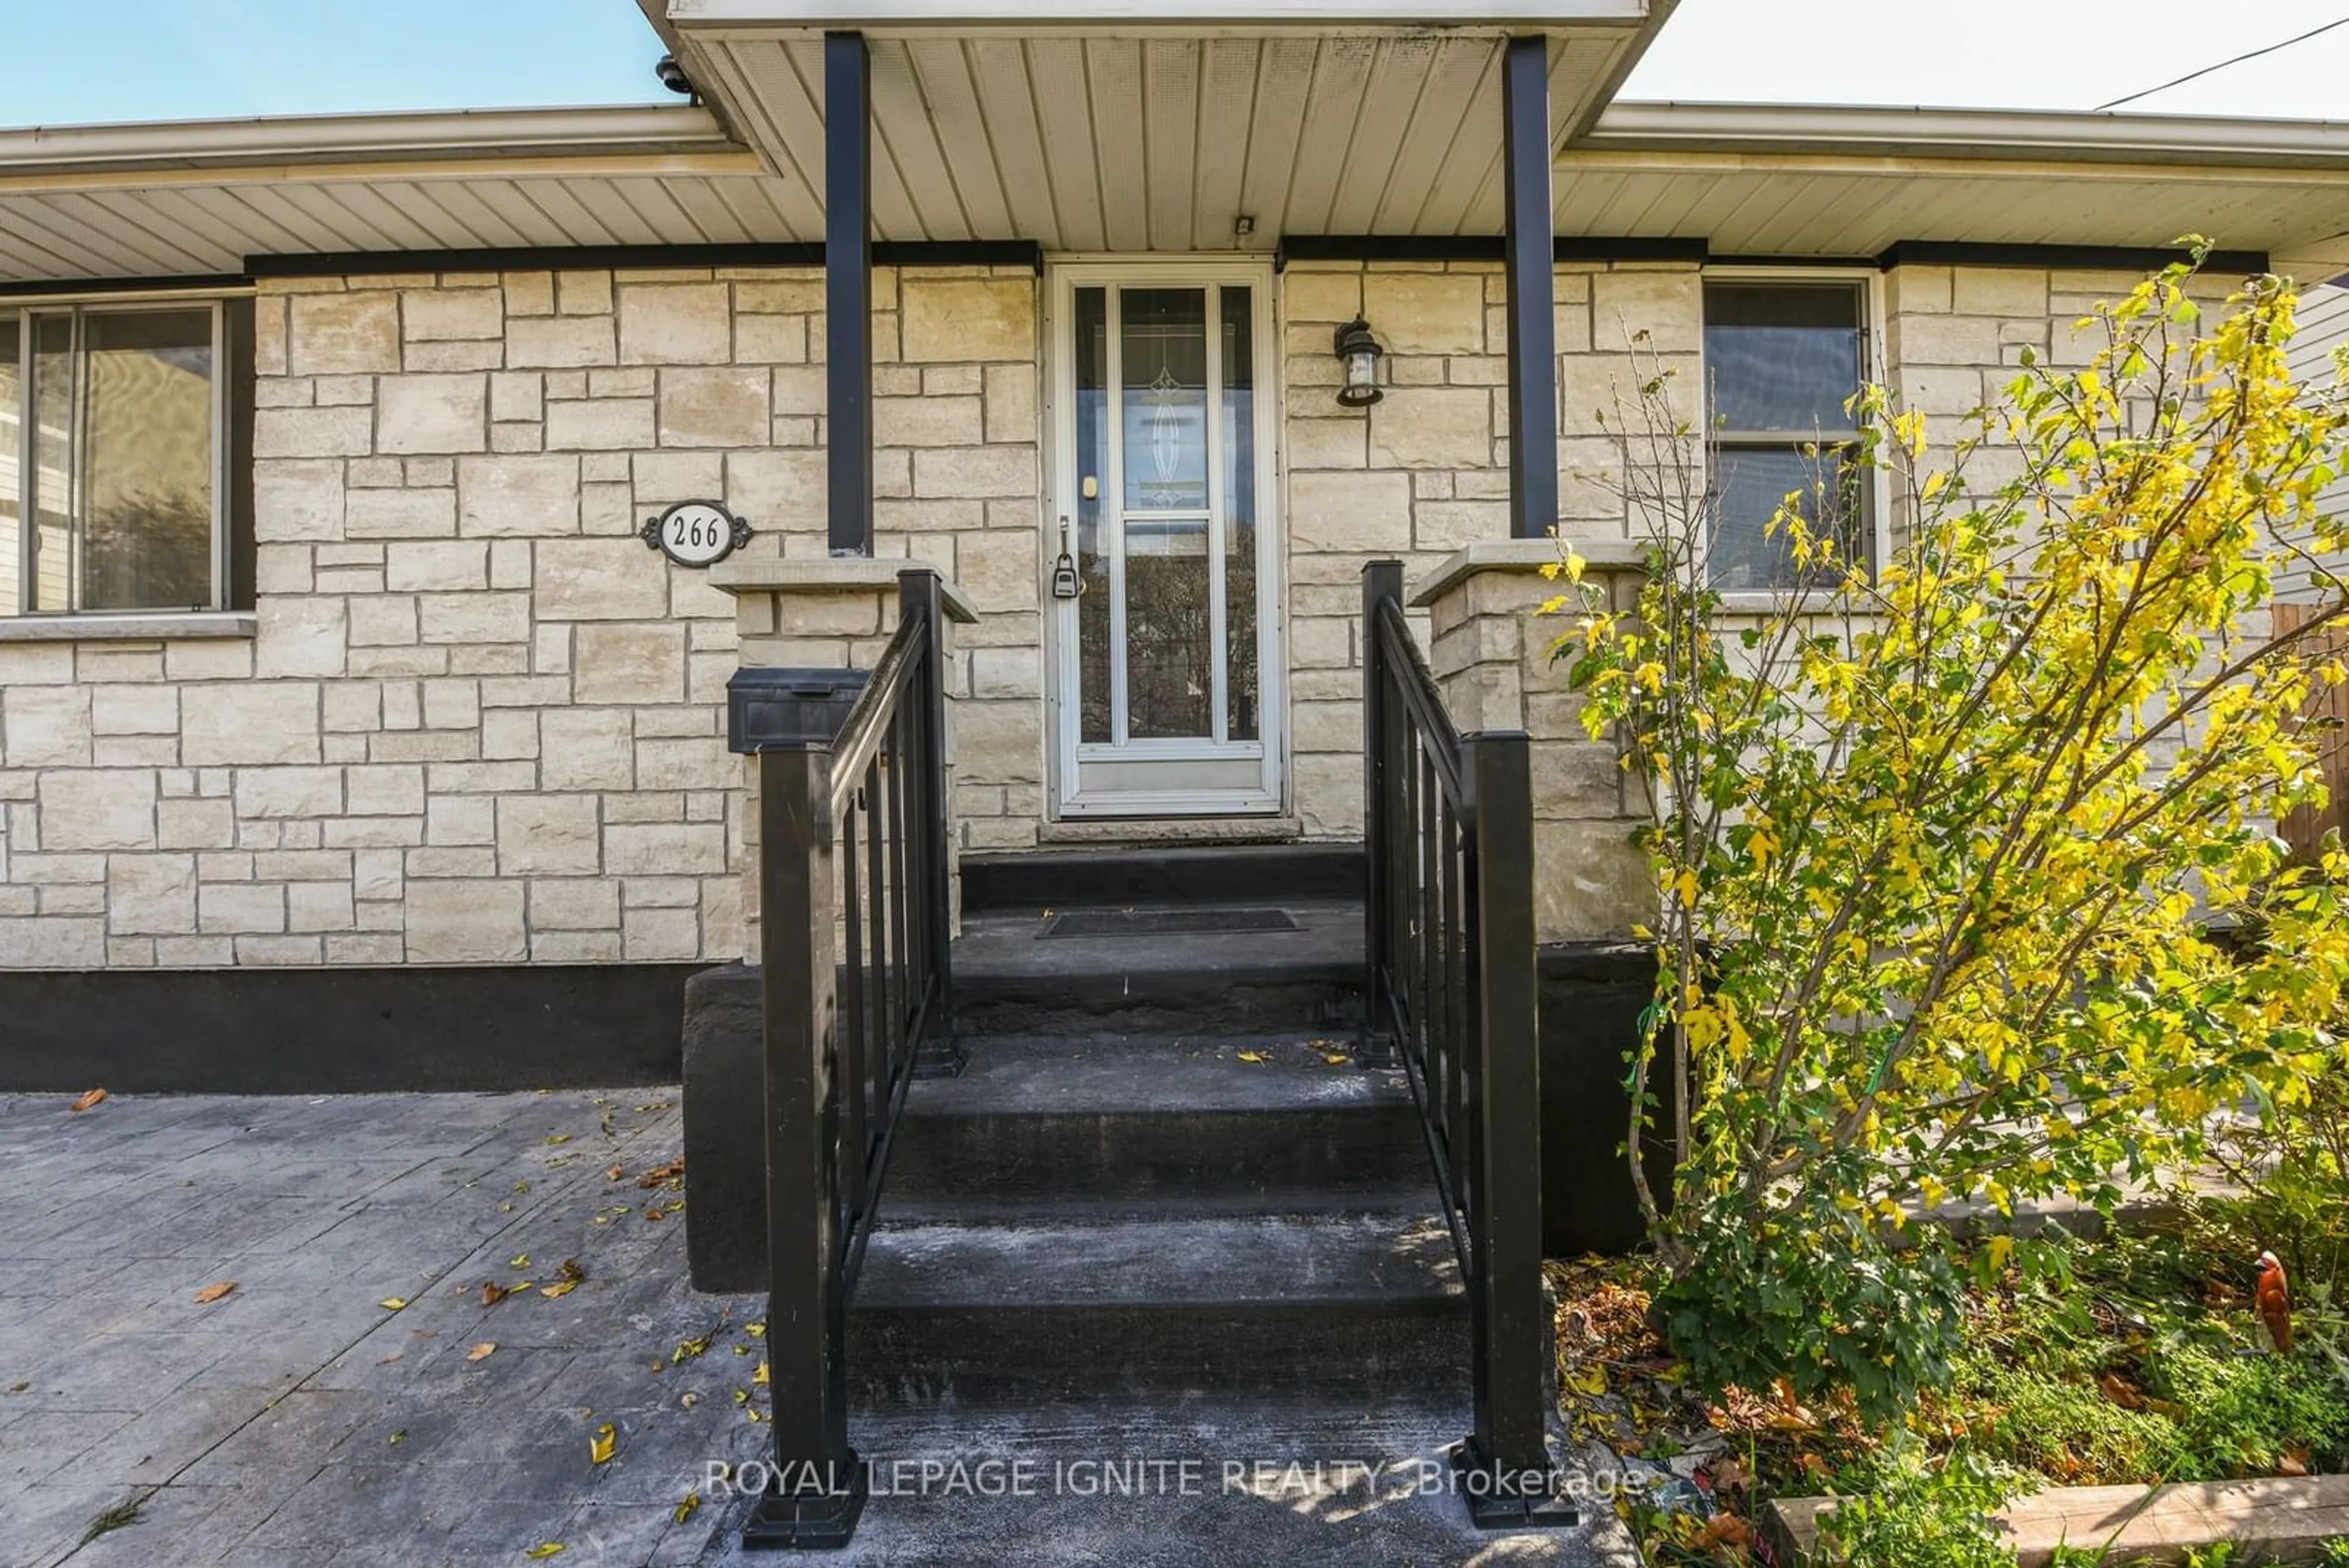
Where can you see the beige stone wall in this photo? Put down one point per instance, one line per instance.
(482, 722)
(1954, 337)
(1424, 471)
(1491, 658)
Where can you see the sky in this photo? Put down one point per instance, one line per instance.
(2001, 54)
(108, 60)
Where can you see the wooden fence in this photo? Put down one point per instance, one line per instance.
(2305, 829)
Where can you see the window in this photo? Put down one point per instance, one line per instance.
(1781, 359)
(114, 486)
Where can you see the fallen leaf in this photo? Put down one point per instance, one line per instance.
(606, 1439)
(685, 1510)
(20, 1386)
(560, 1288)
(214, 1292)
(660, 1173)
(758, 1376)
(554, 1138)
(2293, 1463)
(688, 1348)
(482, 1351)
(493, 1293)
(757, 1329)
(518, 1260)
(689, 1399)
(614, 1174)
(400, 1436)
(656, 1214)
(1335, 1060)
(2119, 1392)
(1724, 1530)
(1251, 1055)
(88, 1100)
(392, 1303)
(571, 1270)
(544, 1548)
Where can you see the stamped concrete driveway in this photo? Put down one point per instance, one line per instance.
(337, 1409)
(305, 1419)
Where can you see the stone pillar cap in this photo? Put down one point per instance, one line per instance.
(839, 573)
(1525, 556)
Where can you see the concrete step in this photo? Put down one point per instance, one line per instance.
(1086, 879)
(1206, 1482)
(1013, 976)
(1120, 1125)
(1311, 1304)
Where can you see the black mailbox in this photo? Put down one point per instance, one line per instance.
(789, 710)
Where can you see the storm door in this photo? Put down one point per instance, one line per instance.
(1162, 537)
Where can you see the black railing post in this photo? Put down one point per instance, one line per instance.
(1505, 1465)
(1381, 583)
(819, 1486)
(920, 597)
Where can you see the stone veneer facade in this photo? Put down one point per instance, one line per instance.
(482, 723)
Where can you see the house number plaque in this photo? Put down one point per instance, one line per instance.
(696, 533)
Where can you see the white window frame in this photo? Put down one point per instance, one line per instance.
(1878, 499)
(24, 309)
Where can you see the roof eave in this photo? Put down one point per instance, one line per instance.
(462, 134)
(1868, 131)
(882, 17)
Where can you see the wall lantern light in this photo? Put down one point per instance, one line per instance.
(1359, 351)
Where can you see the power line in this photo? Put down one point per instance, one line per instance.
(2222, 65)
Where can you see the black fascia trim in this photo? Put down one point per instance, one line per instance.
(1479, 248)
(192, 282)
(2061, 258)
(599, 258)
(1868, 264)
(1631, 248)
(1386, 248)
(1904, 253)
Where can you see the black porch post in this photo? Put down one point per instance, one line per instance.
(848, 290)
(1533, 330)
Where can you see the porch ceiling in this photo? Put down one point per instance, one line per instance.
(1150, 138)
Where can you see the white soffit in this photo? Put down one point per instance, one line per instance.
(154, 200)
(1843, 182)
(1150, 139)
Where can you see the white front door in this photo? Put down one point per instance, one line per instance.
(1168, 658)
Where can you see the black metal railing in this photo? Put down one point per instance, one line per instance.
(854, 932)
(1448, 820)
